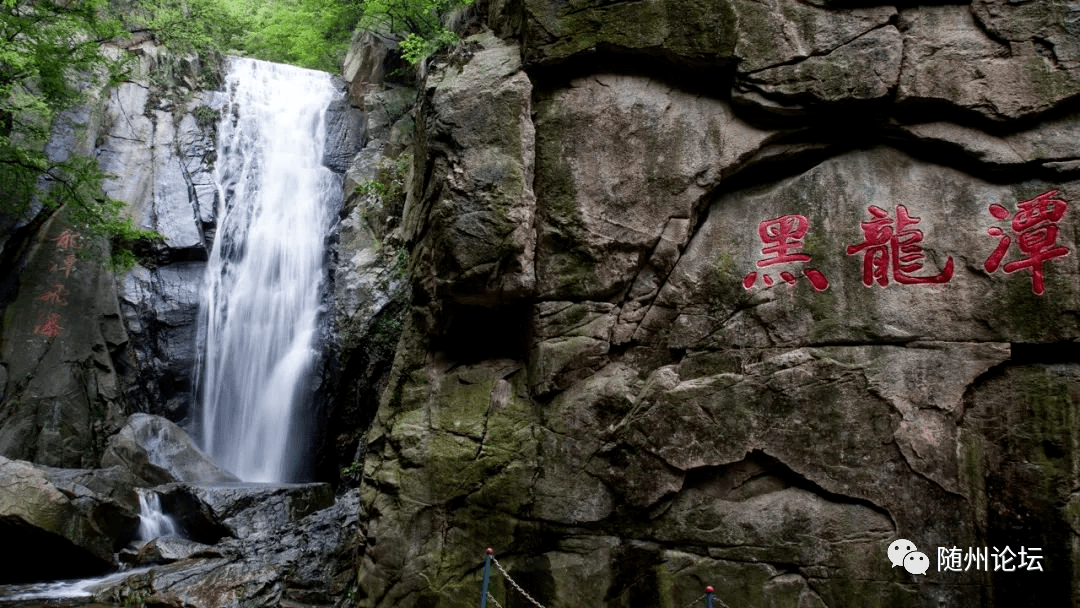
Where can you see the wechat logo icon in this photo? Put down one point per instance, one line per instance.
(904, 553)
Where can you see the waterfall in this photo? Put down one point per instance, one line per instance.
(153, 522)
(261, 300)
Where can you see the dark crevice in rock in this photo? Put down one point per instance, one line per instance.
(789, 157)
(36, 555)
(209, 231)
(635, 576)
(13, 251)
(902, 4)
(195, 519)
(1045, 49)
(759, 473)
(360, 367)
(797, 153)
(1052, 353)
(914, 111)
(473, 334)
(838, 117)
(141, 141)
(954, 156)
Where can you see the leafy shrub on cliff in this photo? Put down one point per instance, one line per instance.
(389, 181)
(421, 24)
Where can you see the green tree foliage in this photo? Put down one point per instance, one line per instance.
(50, 53)
(316, 33)
(308, 33)
(189, 26)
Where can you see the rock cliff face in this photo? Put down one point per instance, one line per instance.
(80, 349)
(738, 293)
(161, 149)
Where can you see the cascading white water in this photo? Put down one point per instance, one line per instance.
(261, 300)
(153, 522)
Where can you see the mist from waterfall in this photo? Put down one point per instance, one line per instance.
(261, 300)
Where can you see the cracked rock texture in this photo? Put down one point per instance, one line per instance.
(80, 348)
(162, 157)
(736, 293)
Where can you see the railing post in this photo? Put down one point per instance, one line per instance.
(487, 577)
(708, 596)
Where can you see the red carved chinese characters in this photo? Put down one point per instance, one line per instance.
(67, 239)
(55, 295)
(783, 242)
(49, 327)
(67, 265)
(1036, 230)
(49, 324)
(891, 247)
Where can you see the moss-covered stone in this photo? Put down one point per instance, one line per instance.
(473, 203)
(1027, 419)
(665, 427)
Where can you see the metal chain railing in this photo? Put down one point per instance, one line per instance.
(485, 595)
(514, 584)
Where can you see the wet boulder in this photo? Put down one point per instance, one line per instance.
(65, 522)
(306, 561)
(168, 549)
(243, 508)
(158, 451)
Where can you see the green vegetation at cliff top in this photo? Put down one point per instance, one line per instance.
(316, 33)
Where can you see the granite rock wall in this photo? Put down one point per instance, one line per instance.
(738, 293)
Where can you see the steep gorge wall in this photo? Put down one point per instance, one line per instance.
(80, 349)
(597, 379)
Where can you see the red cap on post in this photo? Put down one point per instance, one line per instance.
(489, 550)
(709, 589)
